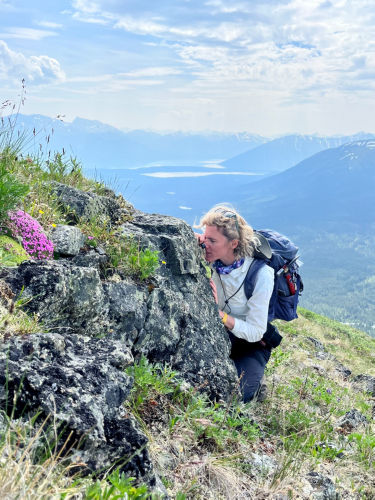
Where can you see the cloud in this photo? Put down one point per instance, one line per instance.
(26, 33)
(87, 19)
(293, 49)
(219, 6)
(153, 71)
(49, 24)
(37, 70)
(89, 11)
(87, 6)
(6, 6)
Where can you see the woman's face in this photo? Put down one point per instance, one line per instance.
(218, 246)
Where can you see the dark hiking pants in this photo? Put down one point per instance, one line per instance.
(250, 360)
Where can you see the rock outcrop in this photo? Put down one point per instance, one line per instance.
(86, 205)
(98, 323)
(80, 382)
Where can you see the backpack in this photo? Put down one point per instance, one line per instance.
(281, 254)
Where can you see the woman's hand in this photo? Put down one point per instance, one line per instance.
(200, 238)
(214, 290)
(230, 321)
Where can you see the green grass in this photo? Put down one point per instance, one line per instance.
(11, 252)
(33, 467)
(200, 447)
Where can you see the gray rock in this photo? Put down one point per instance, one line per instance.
(182, 326)
(63, 295)
(321, 352)
(127, 309)
(317, 344)
(323, 487)
(95, 258)
(173, 319)
(318, 368)
(172, 237)
(343, 370)
(185, 331)
(6, 294)
(262, 464)
(67, 240)
(81, 382)
(352, 420)
(365, 383)
(88, 205)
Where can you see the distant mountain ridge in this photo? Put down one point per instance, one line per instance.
(333, 188)
(282, 153)
(100, 145)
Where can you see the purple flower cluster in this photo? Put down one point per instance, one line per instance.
(34, 241)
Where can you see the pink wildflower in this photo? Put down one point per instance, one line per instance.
(34, 241)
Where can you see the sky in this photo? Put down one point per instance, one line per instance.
(265, 67)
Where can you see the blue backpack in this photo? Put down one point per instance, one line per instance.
(281, 254)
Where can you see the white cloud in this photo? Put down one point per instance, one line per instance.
(153, 71)
(49, 24)
(225, 32)
(292, 46)
(219, 6)
(15, 66)
(87, 6)
(90, 20)
(114, 82)
(26, 33)
(209, 63)
(6, 6)
(89, 11)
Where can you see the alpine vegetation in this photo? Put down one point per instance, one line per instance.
(34, 241)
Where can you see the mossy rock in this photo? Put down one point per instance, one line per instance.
(11, 252)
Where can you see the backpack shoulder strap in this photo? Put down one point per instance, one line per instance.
(249, 282)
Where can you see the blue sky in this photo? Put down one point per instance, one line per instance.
(269, 67)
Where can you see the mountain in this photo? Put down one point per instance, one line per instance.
(285, 152)
(333, 189)
(98, 145)
(327, 205)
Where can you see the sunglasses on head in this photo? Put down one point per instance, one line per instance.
(230, 215)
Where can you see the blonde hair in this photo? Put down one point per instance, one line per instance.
(233, 226)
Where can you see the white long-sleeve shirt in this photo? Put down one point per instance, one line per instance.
(250, 315)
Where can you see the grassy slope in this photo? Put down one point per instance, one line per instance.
(205, 451)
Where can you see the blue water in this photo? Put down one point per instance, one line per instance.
(182, 191)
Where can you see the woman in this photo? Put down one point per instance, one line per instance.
(229, 244)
